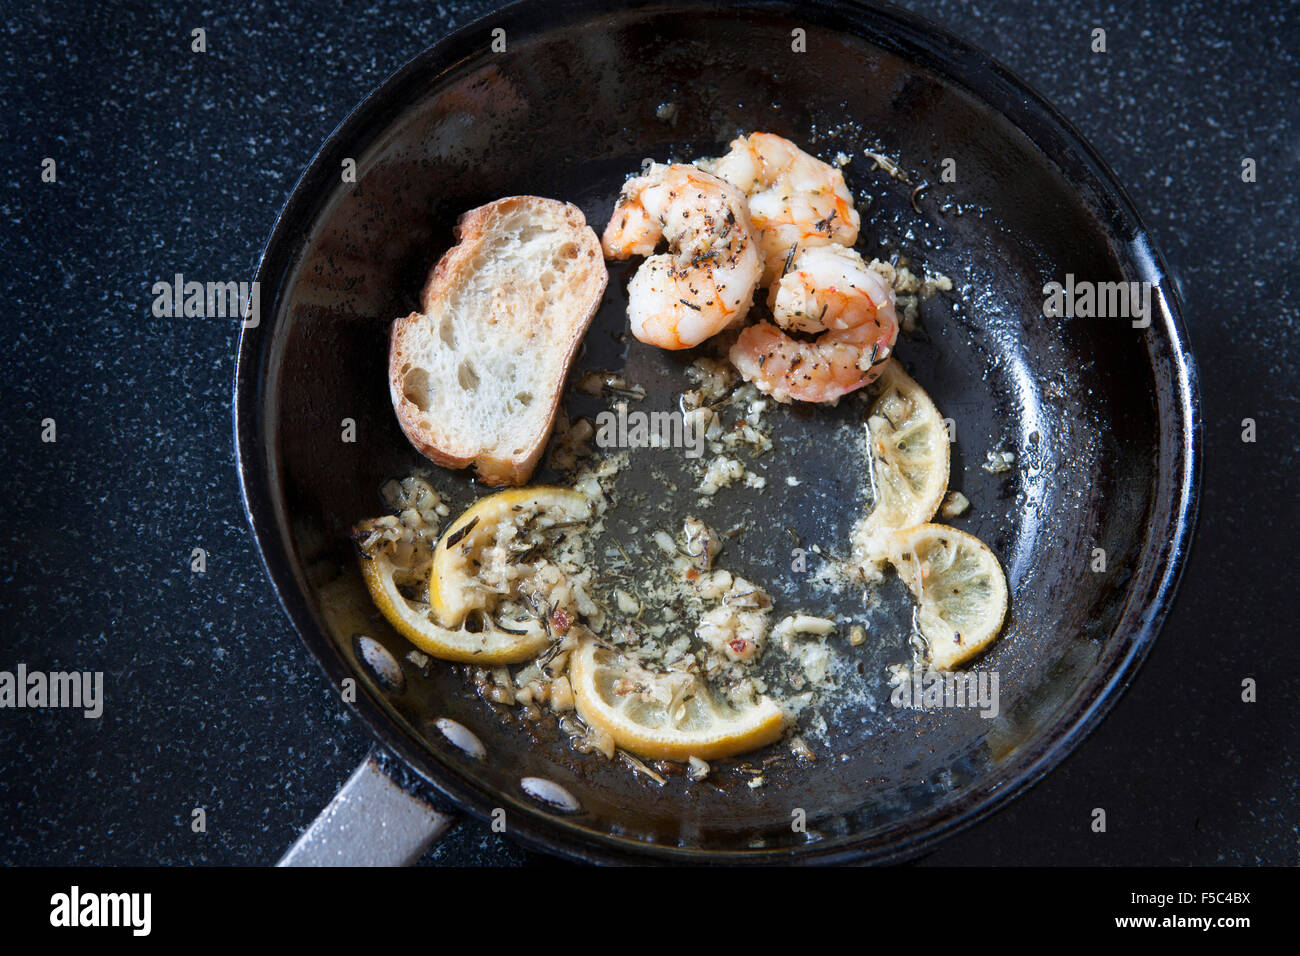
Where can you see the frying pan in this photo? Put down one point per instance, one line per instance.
(1102, 416)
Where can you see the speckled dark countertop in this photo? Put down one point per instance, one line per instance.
(171, 162)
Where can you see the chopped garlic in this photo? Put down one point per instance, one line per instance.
(998, 462)
(561, 695)
(722, 472)
(815, 659)
(954, 505)
(626, 603)
(802, 624)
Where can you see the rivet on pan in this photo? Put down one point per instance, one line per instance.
(461, 737)
(550, 793)
(381, 663)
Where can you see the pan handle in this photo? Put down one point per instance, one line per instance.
(372, 821)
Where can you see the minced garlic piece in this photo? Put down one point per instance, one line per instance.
(998, 462)
(954, 504)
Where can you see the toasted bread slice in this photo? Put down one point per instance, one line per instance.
(476, 375)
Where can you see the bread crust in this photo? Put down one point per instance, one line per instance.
(464, 450)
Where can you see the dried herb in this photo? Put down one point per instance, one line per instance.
(456, 538)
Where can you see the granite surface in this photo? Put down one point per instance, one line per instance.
(171, 162)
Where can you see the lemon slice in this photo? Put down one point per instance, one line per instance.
(493, 643)
(669, 716)
(959, 588)
(459, 553)
(908, 452)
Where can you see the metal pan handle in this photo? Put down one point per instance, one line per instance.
(372, 821)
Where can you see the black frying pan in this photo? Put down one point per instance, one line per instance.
(1103, 417)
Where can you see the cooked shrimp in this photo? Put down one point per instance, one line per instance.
(795, 200)
(706, 280)
(832, 292)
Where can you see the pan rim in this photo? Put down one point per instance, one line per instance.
(956, 62)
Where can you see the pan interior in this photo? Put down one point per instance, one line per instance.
(568, 112)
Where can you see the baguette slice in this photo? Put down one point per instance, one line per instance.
(476, 375)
